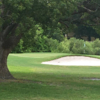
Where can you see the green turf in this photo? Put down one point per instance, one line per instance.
(49, 82)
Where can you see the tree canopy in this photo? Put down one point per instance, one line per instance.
(87, 13)
(22, 15)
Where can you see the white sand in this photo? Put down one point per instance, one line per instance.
(74, 61)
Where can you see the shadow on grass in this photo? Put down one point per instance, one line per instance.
(46, 86)
(22, 90)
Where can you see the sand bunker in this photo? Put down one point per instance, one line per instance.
(74, 61)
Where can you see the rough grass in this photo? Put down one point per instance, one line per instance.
(49, 82)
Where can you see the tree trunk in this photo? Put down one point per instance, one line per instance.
(4, 71)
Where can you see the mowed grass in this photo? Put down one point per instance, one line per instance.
(49, 82)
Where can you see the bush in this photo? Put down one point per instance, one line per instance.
(40, 44)
(96, 46)
(64, 46)
(97, 50)
(72, 41)
(43, 44)
(89, 48)
(78, 46)
(96, 43)
(52, 44)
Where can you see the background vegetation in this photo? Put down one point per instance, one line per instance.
(72, 45)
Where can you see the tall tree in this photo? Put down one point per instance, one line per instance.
(18, 17)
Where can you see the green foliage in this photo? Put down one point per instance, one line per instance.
(58, 35)
(88, 49)
(52, 44)
(96, 43)
(97, 50)
(96, 46)
(64, 46)
(72, 41)
(78, 46)
(44, 15)
(40, 44)
(43, 44)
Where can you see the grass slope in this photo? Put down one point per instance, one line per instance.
(49, 82)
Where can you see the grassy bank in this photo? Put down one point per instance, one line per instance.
(49, 82)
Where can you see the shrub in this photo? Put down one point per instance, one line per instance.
(78, 46)
(40, 44)
(97, 50)
(96, 43)
(96, 46)
(88, 49)
(72, 41)
(64, 46)
(52, 44)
